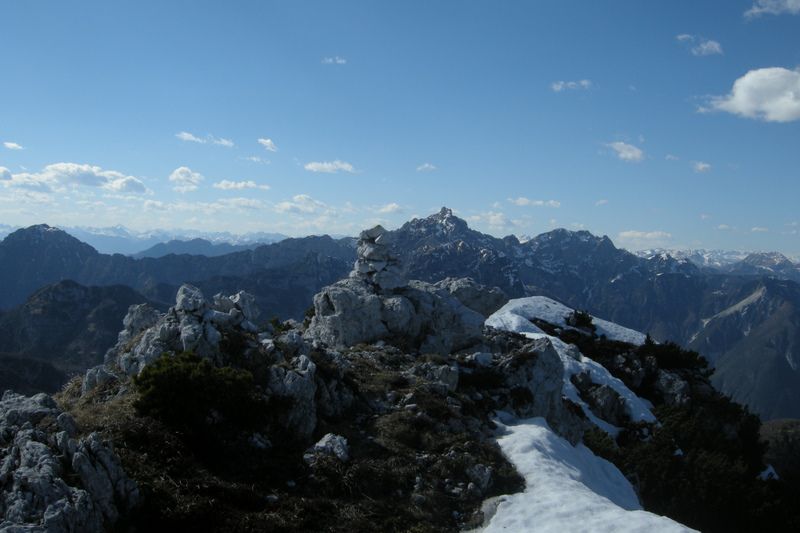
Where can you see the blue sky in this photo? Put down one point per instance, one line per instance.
(663, 123)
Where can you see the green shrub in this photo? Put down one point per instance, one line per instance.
(189, 394)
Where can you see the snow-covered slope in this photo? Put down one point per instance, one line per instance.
(556, 313)
(567, 489)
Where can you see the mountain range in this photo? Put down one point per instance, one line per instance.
(743, 315)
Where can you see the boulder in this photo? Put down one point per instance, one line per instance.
(485, 300)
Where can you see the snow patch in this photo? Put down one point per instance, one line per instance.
(567, 488)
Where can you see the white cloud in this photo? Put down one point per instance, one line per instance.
(185, 179)
(228, 185)
(707, 48)
(700, 46)
(222, 142)
(600, 202)
(701, 167)
(773, 7)
(329, 167)
(670, 157)
(426, 167)
(13, 146)
(301, 203)
(190, 137)
(627, 152)
(522, 201)
(724, 227)
(335, 60)
(268, 144)
(390, 208)
(58, 175)
(770, 94)
(636, 238)
(559, 86)
(759, 229)
(256, 159)
(704, 216)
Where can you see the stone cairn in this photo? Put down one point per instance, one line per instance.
(376, 264)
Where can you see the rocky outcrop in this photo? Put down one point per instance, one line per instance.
(192, 324)
(51, 480)
(485, 300)
(376, 303)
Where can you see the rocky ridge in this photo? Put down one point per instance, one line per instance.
(52, 480)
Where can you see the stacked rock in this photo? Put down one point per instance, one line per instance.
(376, 264)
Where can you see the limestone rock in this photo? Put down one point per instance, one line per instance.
(485, 300)
(330, 445)
(673, 388)
(39, 462)
(192, 324)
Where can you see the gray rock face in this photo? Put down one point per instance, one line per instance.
(330, 445)
(673, 388)
(39, 461)
(604, 401)
(537, 375)
(298, 385)
(192, 324)
(485, 300)
(376, 304)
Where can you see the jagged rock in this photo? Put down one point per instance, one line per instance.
(95, 377)
(485, 300)
(673, 389)
(535, 373)
(192, 324)
(102, 476)
(299, 386)
(190, 300)
(330, 445)
(38, 465)
(604, 401)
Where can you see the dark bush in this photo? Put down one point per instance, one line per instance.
(203, 402)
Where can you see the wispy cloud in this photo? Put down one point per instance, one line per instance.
(773, 7)
(255, 159)
(600, 202)
(701, 167)
(426, 167)
(268, 144)
(700, 46)
(635, 238)
(329, 167)
(185, 179)
(228, 185)
(301, 203)
(759, 229)
(559, 86)
(768, 94)
(670, 157)
(12, 145)
(522, 201)
(390, 208)
(190, 137)
(334, 60)
(627, 152)
(724, 227)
